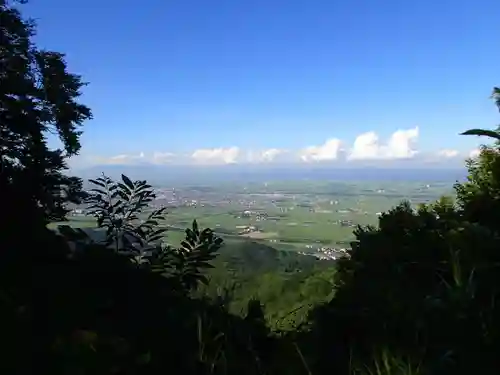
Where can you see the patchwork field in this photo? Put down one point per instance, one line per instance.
(296, 215)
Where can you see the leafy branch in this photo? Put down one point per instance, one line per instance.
(483, 133)
(495, 134)
(188, 262)
(118, 208)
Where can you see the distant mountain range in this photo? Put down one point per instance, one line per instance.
(161, 174)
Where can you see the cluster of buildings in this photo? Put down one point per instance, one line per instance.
(78, 212)
(258, 215)
(328, 253)
(347, 223)
(245, 229)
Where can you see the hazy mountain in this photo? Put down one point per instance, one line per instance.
(156, 174)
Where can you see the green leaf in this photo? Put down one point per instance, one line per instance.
(496, 96)
(98, 183)
(98, 191)
(128, 182)
(483, 133)
(122, 194)
(144, 359)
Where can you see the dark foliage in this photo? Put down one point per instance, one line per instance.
(423, 285)
(37, 96)
(418, 294)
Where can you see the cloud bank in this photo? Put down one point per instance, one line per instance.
(216, 155)
(368, 146)
(401, 145)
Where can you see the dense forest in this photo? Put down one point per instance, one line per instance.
(418, 294)
(286, 283)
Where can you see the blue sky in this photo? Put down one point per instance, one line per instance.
(244, 77)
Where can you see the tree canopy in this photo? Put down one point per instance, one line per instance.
(418, 293)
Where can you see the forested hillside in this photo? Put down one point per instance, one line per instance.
(418, 294)
(286, 283)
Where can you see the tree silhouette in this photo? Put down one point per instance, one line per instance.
(38, 96)
(120, 210)
(422, 285)
(418, 294)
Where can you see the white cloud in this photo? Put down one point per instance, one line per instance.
(271, 154)
(264, 156)
(447, 153)
(367, 146)
(474, 153)
(399, 146)
(327, 151)
(216, 155)
(163, 157)
(121, 159)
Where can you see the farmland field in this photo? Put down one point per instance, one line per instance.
(292, 215)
